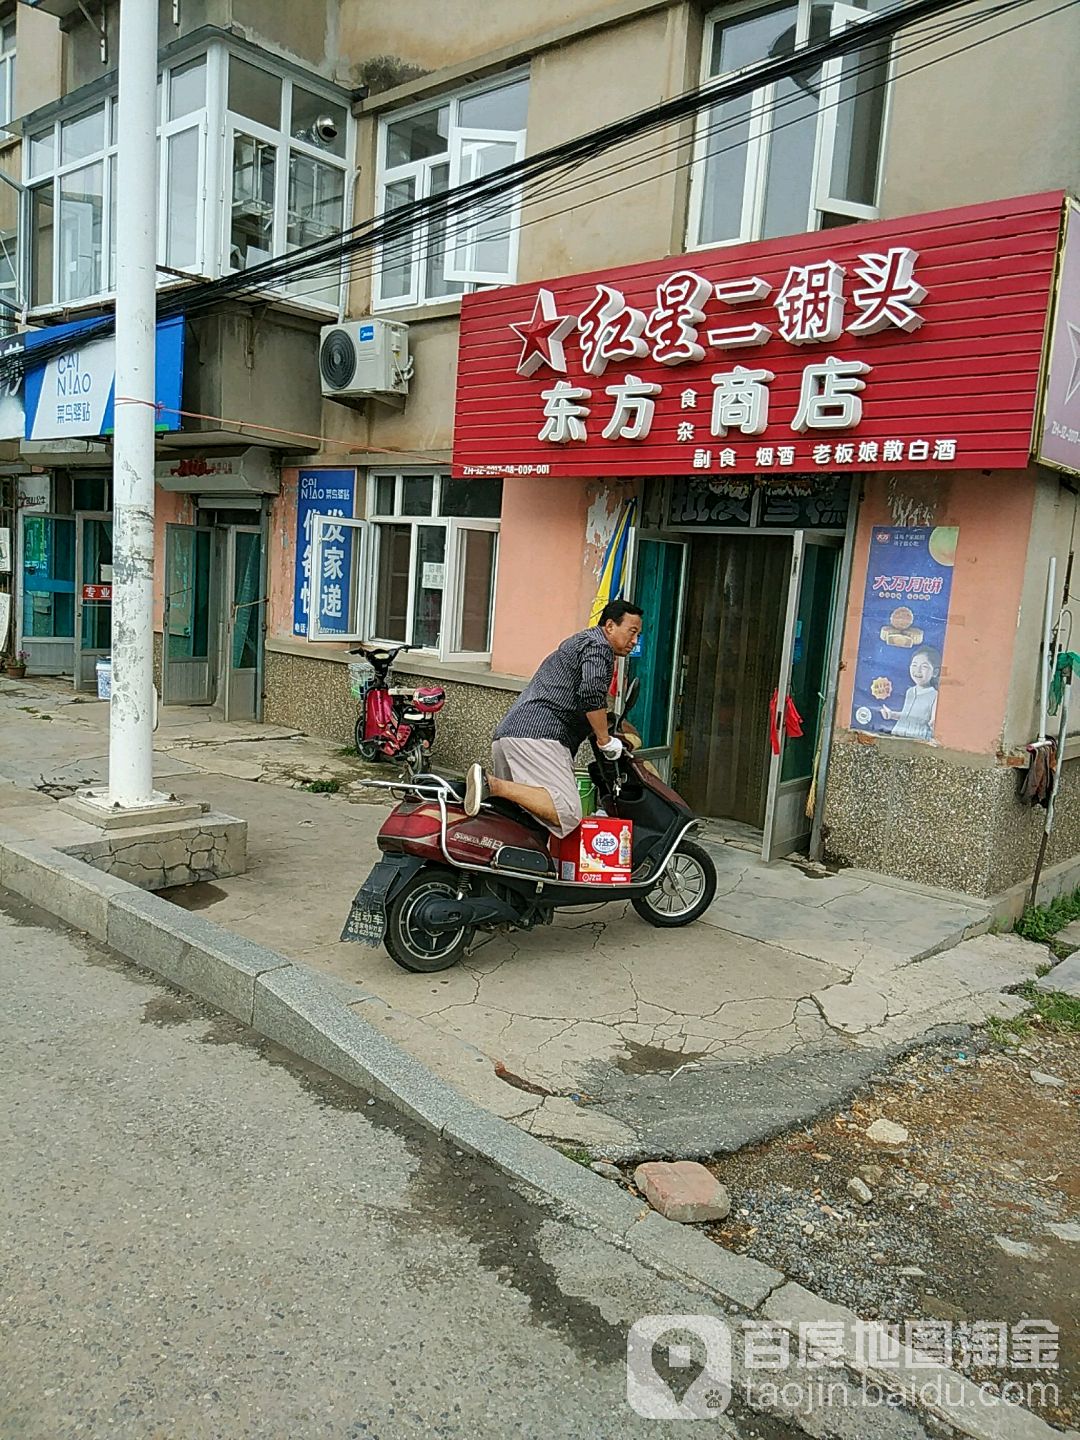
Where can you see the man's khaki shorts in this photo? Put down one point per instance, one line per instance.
(546, 764)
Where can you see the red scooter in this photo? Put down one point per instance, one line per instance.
(444, 876)
(395, 722)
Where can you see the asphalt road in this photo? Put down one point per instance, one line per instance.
(202, 1238)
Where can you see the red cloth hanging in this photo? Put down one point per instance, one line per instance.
(792, 722)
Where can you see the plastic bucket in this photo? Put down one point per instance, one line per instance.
(103, 671)
(587, 791)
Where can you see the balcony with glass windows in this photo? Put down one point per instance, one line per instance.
(254, 156)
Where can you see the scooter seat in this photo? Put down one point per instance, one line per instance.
(510, 811)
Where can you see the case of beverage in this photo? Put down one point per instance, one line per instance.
(599, 851)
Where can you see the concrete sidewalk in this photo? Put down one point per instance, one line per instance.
(598, 1030)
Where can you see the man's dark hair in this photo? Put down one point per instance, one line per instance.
(618, 610)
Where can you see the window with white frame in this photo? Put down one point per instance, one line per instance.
(7, 69)
(430, 149)
(252, 164)
(801, 153)
(287, 145)
(420, 571)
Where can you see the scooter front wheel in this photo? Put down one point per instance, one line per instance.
(367, 749)
(407, 942)
(686, 891)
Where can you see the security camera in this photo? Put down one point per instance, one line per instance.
(325, 130)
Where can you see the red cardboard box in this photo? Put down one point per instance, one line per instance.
(599, 851)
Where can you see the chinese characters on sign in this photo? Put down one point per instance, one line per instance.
(811, 306)
(97, 592)
(324, 492)
(902, 638)
(890, 345)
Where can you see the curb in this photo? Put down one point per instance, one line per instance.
(306, 1013)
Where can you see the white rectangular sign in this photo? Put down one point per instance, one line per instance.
(75, 390)
(5, 617)
(5, 551)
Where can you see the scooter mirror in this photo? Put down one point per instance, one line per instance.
(631, 695)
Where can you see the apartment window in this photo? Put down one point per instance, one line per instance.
(428, 150)
(801, 153)
(71, 177)
(287, 145)
(281, 143)
(7, 70)
(420, 571)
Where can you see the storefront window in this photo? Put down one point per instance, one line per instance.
(419, 572)
(438, 544)
(801, 153)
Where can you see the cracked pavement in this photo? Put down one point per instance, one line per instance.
(597, 1031)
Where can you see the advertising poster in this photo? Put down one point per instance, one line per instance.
(5, 550)
(902, 639)
(324, 492)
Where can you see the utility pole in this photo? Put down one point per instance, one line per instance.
(131, 715)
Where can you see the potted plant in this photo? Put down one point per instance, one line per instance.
(16, 668)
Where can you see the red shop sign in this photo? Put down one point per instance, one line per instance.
(910, 344)
(97, 592)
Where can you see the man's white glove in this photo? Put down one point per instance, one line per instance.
(613, 749)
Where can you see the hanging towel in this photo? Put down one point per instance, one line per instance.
(792, 722)
(1038, 781)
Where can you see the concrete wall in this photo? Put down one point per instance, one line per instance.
(307, 32)
(993, 513)
(1053, 532)
(431, 35)
(997, 120)
(949, 814)
(246, 366)
(310, 692)
(38, 66)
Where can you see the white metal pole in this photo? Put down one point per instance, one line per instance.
(131, 717)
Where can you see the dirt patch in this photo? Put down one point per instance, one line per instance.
(957, 1229)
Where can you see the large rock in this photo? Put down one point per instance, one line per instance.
(887, 1132)
(683, 1190)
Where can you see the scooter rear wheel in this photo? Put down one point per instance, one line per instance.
(408, 944)
(686, 891)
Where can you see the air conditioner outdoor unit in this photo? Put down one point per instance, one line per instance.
(365, 358)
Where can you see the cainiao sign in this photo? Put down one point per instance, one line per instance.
(73, 395)
(904, 344)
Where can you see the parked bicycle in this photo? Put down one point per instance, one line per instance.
(395, 723)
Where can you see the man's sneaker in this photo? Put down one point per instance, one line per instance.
(476, 790)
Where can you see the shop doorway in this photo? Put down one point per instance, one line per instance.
(240, 611)
(741, 589)
(214, 617)
(93, 595)
(189, 648)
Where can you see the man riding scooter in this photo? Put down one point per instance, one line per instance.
(566, 700)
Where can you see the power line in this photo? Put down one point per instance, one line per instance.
(406, 247)
(328, 256)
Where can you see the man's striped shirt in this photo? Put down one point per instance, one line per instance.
(573, 680)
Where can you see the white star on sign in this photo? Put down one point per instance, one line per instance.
(1074, 379)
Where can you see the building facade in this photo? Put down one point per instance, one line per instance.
(463, 504)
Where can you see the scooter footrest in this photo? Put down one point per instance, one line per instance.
(513, 857)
